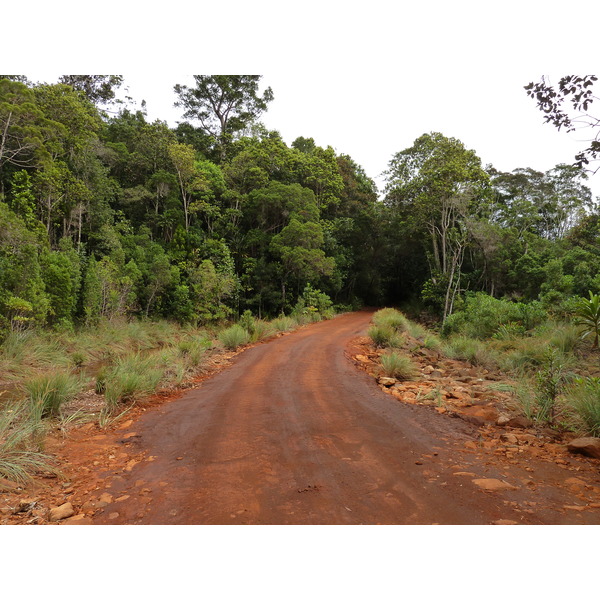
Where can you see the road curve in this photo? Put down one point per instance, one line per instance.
(293, 433)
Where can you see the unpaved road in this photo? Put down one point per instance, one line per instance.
(293, 433)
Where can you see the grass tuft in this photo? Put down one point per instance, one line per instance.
(398, 365)
(49, 391)
(233, 337)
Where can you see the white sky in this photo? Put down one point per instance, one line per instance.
(364, 78)
(367, 78)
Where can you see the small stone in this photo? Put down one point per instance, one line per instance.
(126, 424)
(386, 381)
(574, 507)
(502, 420)
(79, 519)
(428, 369)
(504, 522)
(113, 515)
(575, 481)
(122, 498)
(58, 513)
(519, 422)
(493, 485)
(104, 500)
(509, 438)
(471, 445)
(588, 446)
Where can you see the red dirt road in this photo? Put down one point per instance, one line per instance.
(293, 433)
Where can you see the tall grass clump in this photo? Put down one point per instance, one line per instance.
(193, 349)
(461, 347)
(20, 444)
(46, 393)
(583, 400)
(284, 324)
(233, 337)
(384, 337)
(131, 377)
(256, 328)
(398, 365)
(390, 318)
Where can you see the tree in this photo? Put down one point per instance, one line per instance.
(438, 186)
(24, 129)
(99, 89)
(224, 104)
(190, 180)
(577, 91)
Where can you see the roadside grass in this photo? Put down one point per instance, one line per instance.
(46, 393)
(284, 323)
(234, 336)
(398, 365)
(121, 361)
(131, 377)
(390, 318)
(548, 362)
(583, 399)
(21, 444)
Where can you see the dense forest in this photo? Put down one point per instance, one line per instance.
(104, 214)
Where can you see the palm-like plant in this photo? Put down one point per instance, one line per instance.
(588, 317)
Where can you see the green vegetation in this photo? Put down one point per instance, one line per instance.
(128, 247)
(49, 391)
(398, 365)
(235, 336)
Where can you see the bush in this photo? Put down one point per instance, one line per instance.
(398, 366)
(233, 337)
(482, 316)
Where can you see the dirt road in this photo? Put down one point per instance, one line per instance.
(293, 433)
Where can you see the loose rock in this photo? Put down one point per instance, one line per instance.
(493, 484)
(588, 446)
(58, 513)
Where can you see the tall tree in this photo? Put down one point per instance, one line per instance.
(224, 104)
(438, 185)
(99, 89)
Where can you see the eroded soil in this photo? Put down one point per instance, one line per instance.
(299, 431)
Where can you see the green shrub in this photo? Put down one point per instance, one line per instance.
(233, 337)
(481, 316)
(398, 365)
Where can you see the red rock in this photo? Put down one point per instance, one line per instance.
(493, 485)
(588, 446)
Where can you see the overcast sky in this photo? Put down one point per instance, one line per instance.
(366, 78)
